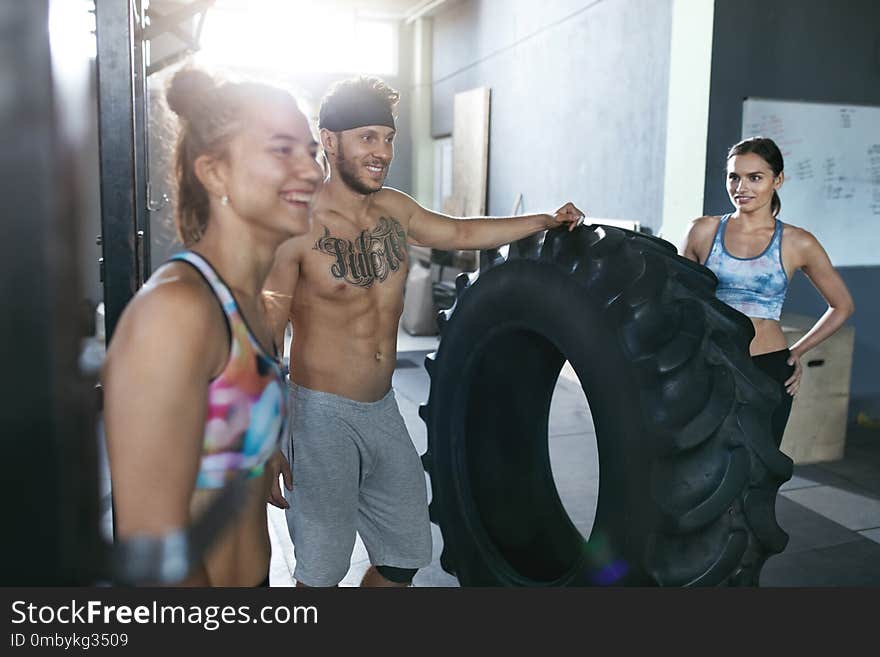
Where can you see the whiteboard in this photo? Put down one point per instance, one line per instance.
(832, 171)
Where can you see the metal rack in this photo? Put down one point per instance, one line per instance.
(124, 32)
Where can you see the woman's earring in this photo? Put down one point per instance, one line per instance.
(224, 200)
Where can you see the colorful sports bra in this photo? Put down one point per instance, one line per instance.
(754, 286)
(247, 411)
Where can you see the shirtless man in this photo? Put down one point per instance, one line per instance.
(354, 465)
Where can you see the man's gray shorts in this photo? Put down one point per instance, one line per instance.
(354, 469)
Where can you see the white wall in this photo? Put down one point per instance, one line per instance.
(687, 116)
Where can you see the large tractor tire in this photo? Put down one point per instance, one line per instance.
(688, 468)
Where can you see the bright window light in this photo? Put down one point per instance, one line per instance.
(72, 28)
(296, 36)
(376, 49)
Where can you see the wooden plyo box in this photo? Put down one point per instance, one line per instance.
(816, 429)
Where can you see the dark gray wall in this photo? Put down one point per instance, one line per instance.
(813, 50)
(579, 94)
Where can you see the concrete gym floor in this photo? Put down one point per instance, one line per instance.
(831, 511)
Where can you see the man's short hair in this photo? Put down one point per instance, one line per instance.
(357, 102)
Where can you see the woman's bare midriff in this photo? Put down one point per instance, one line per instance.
(240, 555)
(768, 337)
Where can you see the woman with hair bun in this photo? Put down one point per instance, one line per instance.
(754, 255)
(193, 389)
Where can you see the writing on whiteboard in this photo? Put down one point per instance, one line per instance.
(832, 171)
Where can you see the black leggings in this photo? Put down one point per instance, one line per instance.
(775, 366)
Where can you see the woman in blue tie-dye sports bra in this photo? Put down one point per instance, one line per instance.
(193, 390)
(754, 255)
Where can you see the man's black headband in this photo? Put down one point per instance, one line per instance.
(344, 115)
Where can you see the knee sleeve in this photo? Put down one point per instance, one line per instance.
(397, 575)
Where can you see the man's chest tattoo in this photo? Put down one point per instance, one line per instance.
(373, 256)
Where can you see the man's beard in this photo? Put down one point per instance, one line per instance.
(348, 175)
